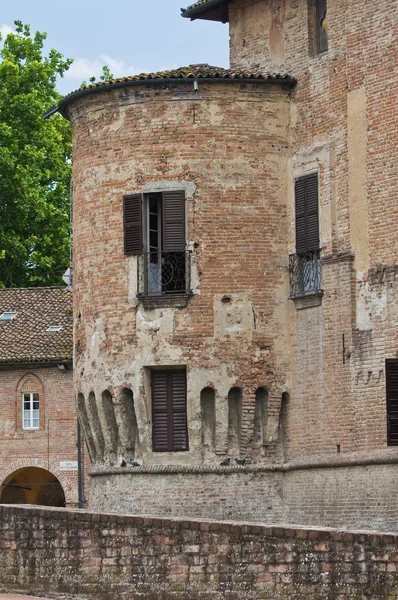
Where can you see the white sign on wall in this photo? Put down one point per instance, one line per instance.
(69, 465)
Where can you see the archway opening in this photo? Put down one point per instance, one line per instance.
(32, 485)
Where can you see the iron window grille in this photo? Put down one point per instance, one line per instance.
(164, 273)
(305, 273)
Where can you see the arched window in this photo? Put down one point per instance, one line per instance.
(283, 423)
(110, 428)
(32, 397)
(261, 417)
(96, 427)
(87, 431)
(208, 419)
(128, 428)
(235, 400)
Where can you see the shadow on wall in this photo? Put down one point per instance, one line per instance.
(31, 485)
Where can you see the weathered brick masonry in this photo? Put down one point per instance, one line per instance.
(91, 555)
(296, 387)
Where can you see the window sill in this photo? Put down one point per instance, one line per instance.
(308, 300)
(166, 301)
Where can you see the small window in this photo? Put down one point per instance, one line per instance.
(321, 26)
(317, 26)
(30, 410)
(169, 411)
(305, 265)
(154, 229)
(7, 316)
(392, 401)
(54, 328)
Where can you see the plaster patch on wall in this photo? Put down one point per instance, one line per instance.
(119, 121)
(153, 321)
(98, 336)
(234, 317)
(372, 302)
(357, 178)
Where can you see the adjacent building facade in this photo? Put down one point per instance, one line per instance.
(235, 272)
(38, 428)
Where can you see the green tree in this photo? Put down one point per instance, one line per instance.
(35, 164)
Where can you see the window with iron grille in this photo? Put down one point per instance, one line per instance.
(169, 410)
(30, 411)
(305, 265)
(392, 401)
(154, 230)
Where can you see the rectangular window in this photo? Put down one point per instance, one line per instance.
(305, 265)
(154, 229)
(317, 26)
(321, 26)
(169, 411)
(30, 411)
(392, 401)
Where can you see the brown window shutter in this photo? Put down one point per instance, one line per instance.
(132, 222)
(169, 411)
(392, 401)
(174, 221)
(160, 412)
(307, 213)
(179, 409)
(321, 33)
(300, 214)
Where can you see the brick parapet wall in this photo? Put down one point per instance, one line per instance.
(83, 554)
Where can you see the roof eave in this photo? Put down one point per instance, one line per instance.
(213, 10)
(38, 363)
(284, 81)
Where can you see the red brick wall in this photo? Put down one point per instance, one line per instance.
(79, 554)
(55, 441)
(335, 402)
(226, 145)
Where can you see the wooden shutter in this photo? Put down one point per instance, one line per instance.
(179, 410)
(392, 401)
(307, 213)
(174, 221)
(169, 411)
(321, 33)
(132, 222)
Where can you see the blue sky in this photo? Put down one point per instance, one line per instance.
(129, 36)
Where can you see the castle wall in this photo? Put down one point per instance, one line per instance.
(225, 146)
(93, 555)
(343, 125)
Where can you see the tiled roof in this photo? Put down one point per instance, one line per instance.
(200, 71)
(197, 7)
(25, 339)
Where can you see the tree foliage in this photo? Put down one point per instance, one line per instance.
(35, 164)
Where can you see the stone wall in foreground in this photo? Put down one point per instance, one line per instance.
(102, 556)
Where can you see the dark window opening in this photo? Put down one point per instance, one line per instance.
(321, 26)
(154, 226)
(317, 26)
(392, 401)
(169, 411)
(305, 264)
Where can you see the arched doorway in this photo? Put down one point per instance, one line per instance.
(32, 485)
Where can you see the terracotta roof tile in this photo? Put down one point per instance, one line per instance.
(197, 7)
(25, 339)
(200, 71)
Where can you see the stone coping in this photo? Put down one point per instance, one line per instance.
(362, 459)
(275, 530)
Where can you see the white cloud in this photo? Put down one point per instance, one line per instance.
(5, 30)
(83, 68)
